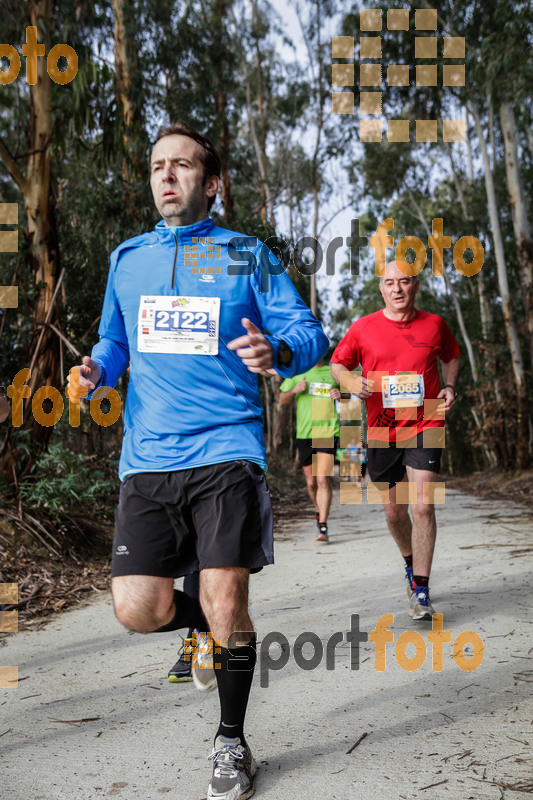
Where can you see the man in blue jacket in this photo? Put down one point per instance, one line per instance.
(195, 329)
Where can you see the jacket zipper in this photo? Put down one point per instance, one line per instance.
(175, 259)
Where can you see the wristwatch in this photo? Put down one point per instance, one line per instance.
(450, 386)
(284, 356)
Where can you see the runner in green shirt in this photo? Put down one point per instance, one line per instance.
(313, 385)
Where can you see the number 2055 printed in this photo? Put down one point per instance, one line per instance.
(184, 320)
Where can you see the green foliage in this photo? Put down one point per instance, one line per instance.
(63, 483)
(190, 61)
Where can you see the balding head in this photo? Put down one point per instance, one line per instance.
(392, 270)
(398, 291)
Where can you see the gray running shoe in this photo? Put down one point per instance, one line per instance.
(419, 603)
(322, 533)
(203, 672)
(233, 770)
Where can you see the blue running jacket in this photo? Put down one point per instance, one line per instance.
(185, 411)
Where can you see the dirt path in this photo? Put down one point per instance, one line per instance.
(94, 715)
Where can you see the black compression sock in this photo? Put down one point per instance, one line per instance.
(408, 561)
(234, 679)
(420, 580)
(191, 586)
(188, 614)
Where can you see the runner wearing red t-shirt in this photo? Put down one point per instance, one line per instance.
(398, 348)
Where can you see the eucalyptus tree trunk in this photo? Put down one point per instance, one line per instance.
(129, 98)
(267, 404)
(522, 233)
(313, 38)
(221, 105)
(265, 208)
(497, 443)
(455, 300)
(262, 138)
(472, 360)
(315, 167)
(266, 205)
(35, 186)
(522, 448)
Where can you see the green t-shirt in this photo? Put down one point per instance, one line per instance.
(319, 382)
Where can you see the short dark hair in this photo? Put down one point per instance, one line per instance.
(209, 155)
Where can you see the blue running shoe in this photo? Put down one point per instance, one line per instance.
(409, 579)
(419, 604)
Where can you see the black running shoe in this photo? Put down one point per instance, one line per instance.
(182, 671)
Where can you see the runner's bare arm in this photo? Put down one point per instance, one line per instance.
(286, 397)
(450, 374)
(350, 383)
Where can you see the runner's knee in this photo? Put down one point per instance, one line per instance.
(141, 616)
(396, 513)
(138, 620)
(311, 482)
(424, 512)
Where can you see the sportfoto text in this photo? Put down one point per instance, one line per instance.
(437, 637)
(246, 260)
(31, 51)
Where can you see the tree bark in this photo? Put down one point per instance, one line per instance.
(281, 415)
(41, 233)
(224, 148)
(313, 42)
(470, 160)
(489, 451)
(268, 415)
(221, 103)
(320, 100)
(522, 449)
(458, 312)
(522, 233)
(265, 187)
(126, 68)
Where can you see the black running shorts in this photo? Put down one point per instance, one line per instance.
(170, 524)
(387, 464)
(306, 450)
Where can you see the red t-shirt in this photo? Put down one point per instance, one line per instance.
(385, 349)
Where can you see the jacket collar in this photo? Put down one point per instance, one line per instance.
(202, 228)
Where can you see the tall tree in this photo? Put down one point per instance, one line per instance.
(522, 231)
(35, 184)
(503, 282)
(129, 88)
